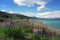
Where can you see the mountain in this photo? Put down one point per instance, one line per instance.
(49, 19)
(14, 15)
(7, 15)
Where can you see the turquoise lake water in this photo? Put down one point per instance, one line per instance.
(52, 23)
(55, 24)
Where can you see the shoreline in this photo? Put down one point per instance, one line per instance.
(35, 24)
(54, 24)
(41, 24)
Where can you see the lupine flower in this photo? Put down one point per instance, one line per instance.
(23, 25)
(9, 23)
(38, 31)
(55, 34)
(48, 34)
(6, 23)
(13, 24)
(35, 30)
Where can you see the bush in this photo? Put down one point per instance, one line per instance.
(1, 20)
(36, 37)
(15, 33)
(28, 29)
(20, 33)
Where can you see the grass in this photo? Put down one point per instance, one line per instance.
(23, 33)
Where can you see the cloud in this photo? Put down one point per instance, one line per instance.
(3, 10)
(11, 12)
(50, 14)
(41, 8)
(27, 14)
(54, 14)
(29, 3)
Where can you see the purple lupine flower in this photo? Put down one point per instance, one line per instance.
(14, 24)
(48, 34)
(6, 23)
(54, 34)
(39, 31)
(23, 25)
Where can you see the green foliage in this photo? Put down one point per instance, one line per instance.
(15, 33)
(1, 19)
(20, 33)
(28, 29)
(36, 37)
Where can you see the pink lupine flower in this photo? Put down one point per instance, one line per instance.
(35, 30)
(38, 31)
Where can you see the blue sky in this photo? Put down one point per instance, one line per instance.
(38, 8)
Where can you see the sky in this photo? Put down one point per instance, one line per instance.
(36, 8)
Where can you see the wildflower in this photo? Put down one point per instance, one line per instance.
(23, 25)
(38, 31)
(6, 23)
(14, 24)
(48, 34)
(35, 30)
(54, 34)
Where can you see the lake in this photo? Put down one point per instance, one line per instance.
(52, 23)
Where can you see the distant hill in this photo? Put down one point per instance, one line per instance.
(13, 15)
(7, 15)
(49, 19)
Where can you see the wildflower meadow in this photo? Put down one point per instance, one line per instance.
(24, 30)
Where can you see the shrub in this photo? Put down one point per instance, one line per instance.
(28, 29)
(16, 33)
(1, 20)
(36, 37)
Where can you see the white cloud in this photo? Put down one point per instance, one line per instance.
(54, 14)
(27, 14)
(41, 8)
(3, 10)
(29, 3)
(11, 12)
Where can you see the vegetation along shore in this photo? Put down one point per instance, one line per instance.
(21, 28)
